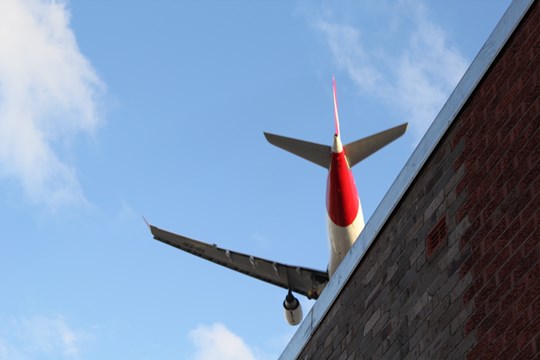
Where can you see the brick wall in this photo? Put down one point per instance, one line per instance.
(500, 130)
(455, 272)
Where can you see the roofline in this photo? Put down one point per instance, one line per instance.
(474, 74)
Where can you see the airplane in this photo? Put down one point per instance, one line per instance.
(345, 218)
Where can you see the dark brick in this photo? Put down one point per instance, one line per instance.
(474, 293)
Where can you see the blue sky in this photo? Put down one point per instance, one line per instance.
(111, 110)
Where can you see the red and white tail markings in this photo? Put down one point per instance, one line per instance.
(344, 210)
(345, 217)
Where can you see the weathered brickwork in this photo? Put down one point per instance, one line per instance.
(500, 130)
(455, 272)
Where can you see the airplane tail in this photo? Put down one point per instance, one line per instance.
(355, 151)
(316, 153)
(336, 116)
(360, 149)
(320, 154)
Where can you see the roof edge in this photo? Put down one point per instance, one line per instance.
(474, 74)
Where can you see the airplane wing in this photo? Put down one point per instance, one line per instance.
(304, 281)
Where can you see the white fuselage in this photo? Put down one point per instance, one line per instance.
(345, 217)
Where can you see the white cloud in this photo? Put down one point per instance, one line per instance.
(50, 335)
(416, 76)
(48, 94)
(216, 342)
(8, 352)
(38, 336)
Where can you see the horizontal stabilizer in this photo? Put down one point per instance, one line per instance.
(361, 149)
(316, 153)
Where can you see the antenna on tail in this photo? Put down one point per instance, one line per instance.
(336, 116)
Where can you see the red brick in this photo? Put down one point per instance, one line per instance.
(509, 350)
(533, 311)
(470, 232)
(531, 136)
(526, 300)
(494, 299)
(524, 266)
(473, 321)
(533, 207)
(528, 333)
(510, 299)
(531, 243)
(531, 289)
(528, 352)
(502, 256)
(436, 236)
(522, 235)
(532, 162)
(491, 350)
(482, 233)
(496, 231)
(507, 180)
(511, 332)
(488, 322)
(485, 207)
(504, 321)
(481, 264)
(485, 292)
(510, 265)
(504, 239)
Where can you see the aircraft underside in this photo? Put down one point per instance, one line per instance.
(344, 210)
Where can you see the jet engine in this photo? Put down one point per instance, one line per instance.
(293, 309)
